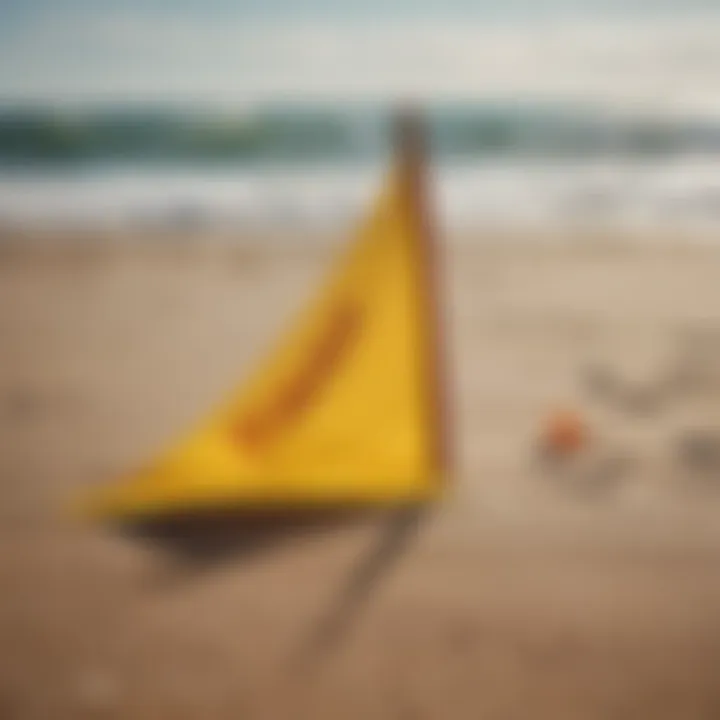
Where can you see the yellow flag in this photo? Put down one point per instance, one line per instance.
(346, 410)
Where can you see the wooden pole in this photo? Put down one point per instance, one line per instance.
(409, 137)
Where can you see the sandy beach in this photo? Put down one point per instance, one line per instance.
(584, 589)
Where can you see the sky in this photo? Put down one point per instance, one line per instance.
(239, 52)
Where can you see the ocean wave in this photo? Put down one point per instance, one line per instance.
(32, 137)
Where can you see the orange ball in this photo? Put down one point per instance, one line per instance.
(565, 433)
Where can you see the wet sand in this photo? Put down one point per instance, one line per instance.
(584, 589)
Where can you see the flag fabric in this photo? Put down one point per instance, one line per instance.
(346, 410)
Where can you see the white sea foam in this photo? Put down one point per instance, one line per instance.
(680, 194)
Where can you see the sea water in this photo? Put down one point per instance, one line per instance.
(307, 168)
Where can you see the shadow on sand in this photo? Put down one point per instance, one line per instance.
(202, 540)
(398, 530)
(196, 543)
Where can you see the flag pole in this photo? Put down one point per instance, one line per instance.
(410, 143)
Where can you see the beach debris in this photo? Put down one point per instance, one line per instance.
(564, 434)
(698, 451)
(572, 456)
(595, 472)
(635, 398)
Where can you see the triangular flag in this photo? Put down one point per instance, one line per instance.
(348, 409)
